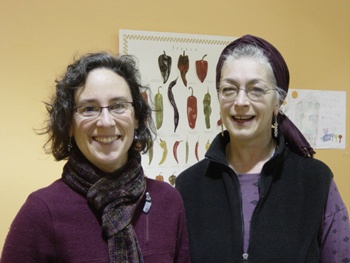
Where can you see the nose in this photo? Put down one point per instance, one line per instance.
(105, 118)
(241, 98)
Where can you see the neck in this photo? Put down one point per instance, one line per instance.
(249, 157)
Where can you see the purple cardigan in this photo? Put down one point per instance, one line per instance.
(57, 225)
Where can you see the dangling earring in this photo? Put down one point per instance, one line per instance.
(275, 128)
(69, 147)
(136, 141)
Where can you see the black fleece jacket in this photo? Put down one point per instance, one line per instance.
(285, 223)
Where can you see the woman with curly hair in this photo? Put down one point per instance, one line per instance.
(103, 208)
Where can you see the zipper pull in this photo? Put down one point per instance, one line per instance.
(245, 257)
(148, 203)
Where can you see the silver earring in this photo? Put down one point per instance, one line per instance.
(69, 147)
(135, 136)
(275, 128)
(222, 130)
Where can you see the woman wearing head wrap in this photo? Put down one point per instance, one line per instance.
(259, 196)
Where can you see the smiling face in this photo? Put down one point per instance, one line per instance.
(104, 140)
(243, 118)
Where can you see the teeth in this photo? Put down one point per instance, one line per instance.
(243, 118)
(106, 139)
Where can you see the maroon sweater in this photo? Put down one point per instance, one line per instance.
(56, 224)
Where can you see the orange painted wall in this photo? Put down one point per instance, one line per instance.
(39, 39)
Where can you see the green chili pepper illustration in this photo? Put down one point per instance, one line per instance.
(172, 179)
(172, 101)
(207, 108)
(158, 102)
(187, 148)
(163, 145)
(164, 63)
(150, 154)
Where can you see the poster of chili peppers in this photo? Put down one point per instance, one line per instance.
(179, 71)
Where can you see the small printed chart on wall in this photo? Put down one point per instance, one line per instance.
(179, 70)
(320, 115)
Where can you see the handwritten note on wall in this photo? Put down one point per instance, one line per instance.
(320, 116)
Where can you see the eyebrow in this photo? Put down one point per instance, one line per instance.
(115, 99)
(252, 81)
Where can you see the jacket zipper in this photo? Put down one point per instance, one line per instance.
(244, 254)
(261, 196)
(146, 208)
(147, 228)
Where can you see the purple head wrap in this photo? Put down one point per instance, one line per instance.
(294, 138)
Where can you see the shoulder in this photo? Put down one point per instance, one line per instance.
(54, 199)
(164, 197)
(58, 191)
(162, 189)
(194, 172)
(205, 172)
(311, 166)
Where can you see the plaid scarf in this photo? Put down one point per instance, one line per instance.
(115, 196)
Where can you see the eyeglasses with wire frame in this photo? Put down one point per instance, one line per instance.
(93, 111)
(254, 93)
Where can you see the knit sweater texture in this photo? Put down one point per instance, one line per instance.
(56, 224)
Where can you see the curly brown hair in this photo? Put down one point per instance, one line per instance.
(61, 108)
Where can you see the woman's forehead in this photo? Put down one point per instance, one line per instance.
(245, 69)
(103, 84)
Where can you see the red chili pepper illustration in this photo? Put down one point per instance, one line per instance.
(176, 144)
(196, 150)
(219, 122)
(144, 96)
(202, 68)
(172, 101)
(192, 110)
(183, 64)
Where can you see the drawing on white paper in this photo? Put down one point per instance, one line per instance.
(320, 116)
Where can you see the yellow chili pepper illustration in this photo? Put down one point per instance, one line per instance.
(163, 145)
(207, 145)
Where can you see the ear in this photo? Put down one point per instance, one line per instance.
(276, 108)
(71, 133)
(136, 123)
